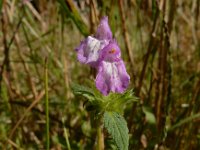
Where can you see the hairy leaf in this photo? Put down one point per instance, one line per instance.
(117, 128)
(84, 91)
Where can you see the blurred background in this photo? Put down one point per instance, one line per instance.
(160, 44)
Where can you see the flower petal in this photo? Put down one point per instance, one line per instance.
(103, 30)
(111, 52)
(112, 76)
(88, 50)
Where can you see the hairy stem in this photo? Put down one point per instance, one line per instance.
(100, 137)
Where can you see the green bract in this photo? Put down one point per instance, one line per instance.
(113, 102)
(110, 107)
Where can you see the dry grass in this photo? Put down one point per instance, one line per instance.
(159, 42)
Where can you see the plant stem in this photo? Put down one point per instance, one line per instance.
(66, 136)
(100, 137)
(46, 106)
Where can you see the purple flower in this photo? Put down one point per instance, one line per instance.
(103, 53)
(89, 48)
(112, 75)
(87, 52)
(103, 30)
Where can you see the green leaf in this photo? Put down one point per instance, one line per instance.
(84, 91)
(149, 115)
(117, 128)
(81, 89)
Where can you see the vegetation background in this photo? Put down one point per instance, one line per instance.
(160, 44)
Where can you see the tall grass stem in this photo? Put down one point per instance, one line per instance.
(66, 136)
(47, 106)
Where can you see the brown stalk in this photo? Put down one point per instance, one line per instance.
(142, 74)
(95, 11)
(6, 61)
(92, 17)
(126, 36)
(162, 86)
(194, 21)
(13, 144)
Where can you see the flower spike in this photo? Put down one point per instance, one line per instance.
(103, 53)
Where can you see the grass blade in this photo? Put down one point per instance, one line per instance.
(47, 106)
(73, 13)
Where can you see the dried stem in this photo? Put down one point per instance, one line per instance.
(126, 36)
(92, 18)
(142, 74)
(6, 61)
(163, 87)
(46, 104)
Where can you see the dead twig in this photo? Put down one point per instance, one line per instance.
(6, 61)
(126, 37)
(146, 58)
